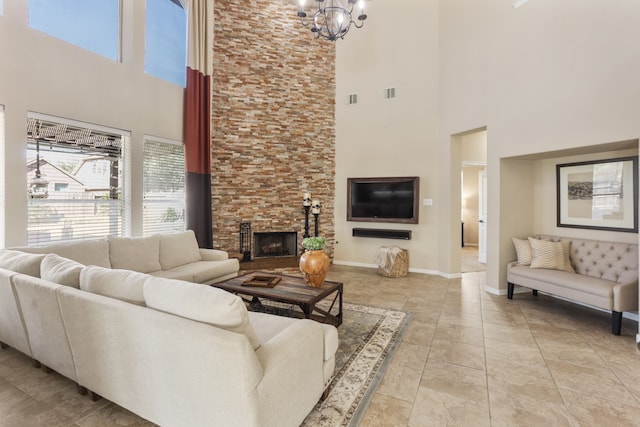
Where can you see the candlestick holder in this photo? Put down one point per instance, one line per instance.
(315, 229)
(306, 221)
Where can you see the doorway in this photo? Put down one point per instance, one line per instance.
(473, 201)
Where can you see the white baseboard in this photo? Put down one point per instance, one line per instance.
(411, 270)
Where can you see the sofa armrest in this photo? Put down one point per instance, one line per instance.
(213, 255)
(625, 297)
(293, 365)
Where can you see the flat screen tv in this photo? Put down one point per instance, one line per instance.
(383, 199)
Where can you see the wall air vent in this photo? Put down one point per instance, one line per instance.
(352, 99)
(389, 93)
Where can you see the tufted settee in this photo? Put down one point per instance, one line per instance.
(605, 274)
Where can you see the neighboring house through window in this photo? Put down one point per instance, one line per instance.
(67, 199)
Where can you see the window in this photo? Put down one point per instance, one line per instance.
(165, 53)
(93, 25)
(1, 7)
(163, 187)
(67, 198)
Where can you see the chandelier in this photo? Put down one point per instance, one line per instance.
(333, 18)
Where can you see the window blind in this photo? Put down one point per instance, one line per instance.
(163, 187)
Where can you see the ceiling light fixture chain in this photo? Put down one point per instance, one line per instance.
(333, 18)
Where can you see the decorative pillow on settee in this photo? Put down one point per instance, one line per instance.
(523, 250)
(551, 255)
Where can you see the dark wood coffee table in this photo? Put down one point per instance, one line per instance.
(294, 291)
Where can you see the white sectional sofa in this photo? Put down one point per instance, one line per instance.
(172, 255)
(597, 273)
(176, 353)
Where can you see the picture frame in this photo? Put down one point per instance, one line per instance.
(599, 194)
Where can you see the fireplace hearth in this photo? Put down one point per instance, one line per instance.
(275, 244)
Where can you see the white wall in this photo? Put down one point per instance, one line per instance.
(39, 73)
(549, 77)
(396, 48)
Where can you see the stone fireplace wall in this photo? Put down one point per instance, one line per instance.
(273, 118)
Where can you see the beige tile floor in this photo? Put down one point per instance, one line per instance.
(468, 358)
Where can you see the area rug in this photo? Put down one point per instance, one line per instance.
(369, 336)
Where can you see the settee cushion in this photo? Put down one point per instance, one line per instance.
(57, 269)
(550, 255)
(21, 262)
(178, 249)
(140, 254)
(124, 285)
(201, 303)
(523, 251)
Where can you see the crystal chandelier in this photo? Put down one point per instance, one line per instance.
(333, 18)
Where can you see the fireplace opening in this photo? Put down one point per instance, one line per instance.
(275, 244)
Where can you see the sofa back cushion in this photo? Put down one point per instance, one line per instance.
(201, 303)
(86, 252)
(178, 249)
(57, 269)
(613, 261)
(140, 254)
(21, 262)
(124, 285)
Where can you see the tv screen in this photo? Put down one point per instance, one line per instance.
(383, 199)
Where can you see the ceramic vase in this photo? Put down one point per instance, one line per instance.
(314, 265)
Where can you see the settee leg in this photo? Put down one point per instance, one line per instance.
(3, 345)
(510, 287)
(616, 322)
(46, 369)
(535, 292)
(36, 364)
(94, 397)
(81, 390)
(325, 394)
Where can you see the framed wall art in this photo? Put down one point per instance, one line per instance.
(600, 194)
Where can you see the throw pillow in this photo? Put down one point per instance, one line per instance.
(551, 255)
(523, 251)
(61, 270)
(21, 262)
(124, 285)
(140, 254)
(201, 303)
(178, 249)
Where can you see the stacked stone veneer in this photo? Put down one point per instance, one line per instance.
(273, 135)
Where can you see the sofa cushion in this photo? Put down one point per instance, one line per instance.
(57, 269)
(550, 255)
(178, 249)
(21, 262)
(124, 285)
(86, 252)
(140, 254)
(201, 303)
(206, 271)
(523, 251)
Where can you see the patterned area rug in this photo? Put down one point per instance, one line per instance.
(368, 338)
